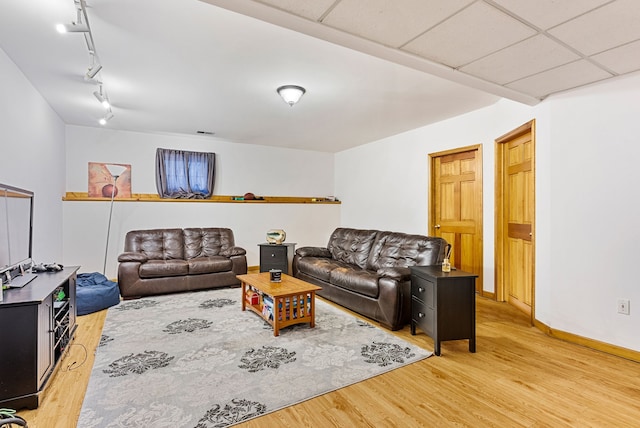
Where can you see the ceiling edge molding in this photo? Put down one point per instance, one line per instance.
(315, 29)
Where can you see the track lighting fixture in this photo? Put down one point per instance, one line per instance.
(102, 98)
(72, 28)
(77, 26)
(93, 70)
(81, 25)
(103, 121)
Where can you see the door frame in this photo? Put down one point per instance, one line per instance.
(480, 225)
(500, 209)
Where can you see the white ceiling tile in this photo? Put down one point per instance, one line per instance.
(548, 13)
(311, 9)
(624, 59)
(523, 59)
(561, 78)
(391, 23)
(607, 27)
(471, 34)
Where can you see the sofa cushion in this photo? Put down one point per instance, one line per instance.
(313, 252)
(158, 244)
(351, 246)
(162, 268)
(319, 267)
(205, 242)
(212, 264)
(392, 249)
(357, 280)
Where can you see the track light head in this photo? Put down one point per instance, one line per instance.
(93, 70)
(72, 28)
(103, 121)
(77, 26)
(102, 98)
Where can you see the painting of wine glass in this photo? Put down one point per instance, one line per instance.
(102, 184)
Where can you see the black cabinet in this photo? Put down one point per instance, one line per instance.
(37, 322)
(276, 256)
(443, 305)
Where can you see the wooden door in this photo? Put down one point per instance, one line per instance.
(515, 208)
(456, 206)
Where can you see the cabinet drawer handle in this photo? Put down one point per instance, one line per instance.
(273, 255)
(420, 289)
(420, 315)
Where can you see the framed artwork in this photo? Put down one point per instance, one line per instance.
(106, 179)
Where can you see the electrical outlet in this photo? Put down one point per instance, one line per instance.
(623, 306)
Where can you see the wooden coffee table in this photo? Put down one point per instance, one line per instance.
(281, 304)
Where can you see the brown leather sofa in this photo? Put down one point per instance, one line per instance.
(161, 261)
(367, 271)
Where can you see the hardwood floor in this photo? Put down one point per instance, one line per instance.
(519, 377)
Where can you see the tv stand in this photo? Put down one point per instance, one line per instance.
(37, 323)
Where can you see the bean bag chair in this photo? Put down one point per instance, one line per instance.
(94, 292)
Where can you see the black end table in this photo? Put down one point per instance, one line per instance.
(276, 256)
(443, 304)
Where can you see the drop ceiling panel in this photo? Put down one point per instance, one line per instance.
(624, 59)
(391, 23)
(545, 14)
(561, 78)
(523, 59)
(311, 9)
(473, 33)
(609, 26)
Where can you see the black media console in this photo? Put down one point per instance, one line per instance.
(37, 324)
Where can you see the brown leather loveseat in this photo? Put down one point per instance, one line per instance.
(160, 261)
(367, 271)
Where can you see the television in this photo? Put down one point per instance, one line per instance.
(16, 231)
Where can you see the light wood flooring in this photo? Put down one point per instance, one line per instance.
(519, 377)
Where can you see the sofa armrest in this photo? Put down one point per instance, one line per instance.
(233, 251)
(397, 273)
(132, 257)
(313, 252)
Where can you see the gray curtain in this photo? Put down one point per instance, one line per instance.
(184, 175)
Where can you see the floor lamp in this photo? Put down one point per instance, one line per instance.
(115, 171)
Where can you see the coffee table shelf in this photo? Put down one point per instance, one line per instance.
(281, 304)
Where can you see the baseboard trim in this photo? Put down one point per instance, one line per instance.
(253, 269)
(488, 294)
(608, 348)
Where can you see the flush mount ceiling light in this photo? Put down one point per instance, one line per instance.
(291, 94)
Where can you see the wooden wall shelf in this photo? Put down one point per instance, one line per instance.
(152, 197)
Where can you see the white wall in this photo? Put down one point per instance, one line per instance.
(241, 168)
(595, 211)
(384, 185)
(586, 210)
(32, 146)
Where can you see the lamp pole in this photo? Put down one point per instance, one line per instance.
(106, 249)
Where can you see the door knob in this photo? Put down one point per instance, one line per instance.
(437, 226)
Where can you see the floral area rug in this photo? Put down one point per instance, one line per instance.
(196, 360)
